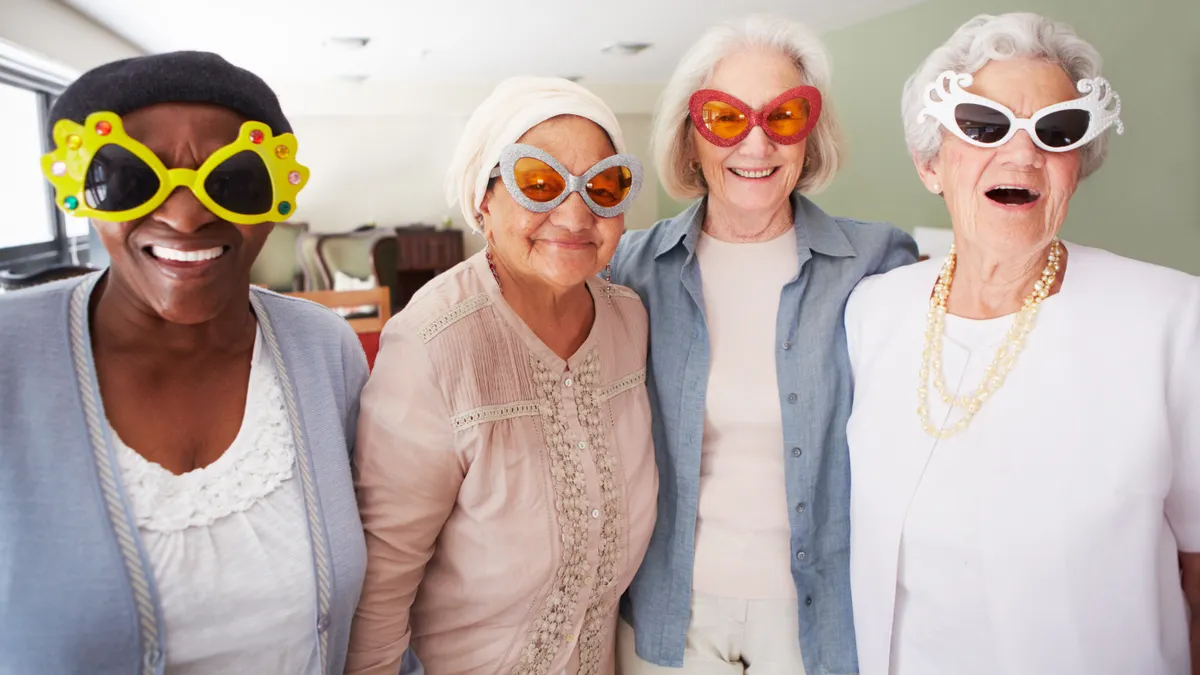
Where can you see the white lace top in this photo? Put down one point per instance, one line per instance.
(229, 547)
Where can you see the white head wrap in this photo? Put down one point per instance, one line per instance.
(516, 105)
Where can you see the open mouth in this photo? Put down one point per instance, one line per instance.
(180, 256)
(1013, 195)
(754, 174)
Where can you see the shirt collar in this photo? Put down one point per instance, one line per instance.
(816, 231)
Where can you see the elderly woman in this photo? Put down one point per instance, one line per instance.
(1025, 442)
(175, 483)
(748, 566)
(505, 472)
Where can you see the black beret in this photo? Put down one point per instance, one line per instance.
(175, 77)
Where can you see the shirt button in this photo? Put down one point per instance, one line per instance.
(595, 513)
(787, 346)
(796, 452)
(808, 601)
(800, 507)
(791, 398)
(583, 445)
(153, 656)
(323, 623)
(801, 555)
(568, 382)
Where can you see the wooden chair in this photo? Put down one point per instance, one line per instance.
(380, 297)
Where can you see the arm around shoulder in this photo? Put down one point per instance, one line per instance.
(407, 476)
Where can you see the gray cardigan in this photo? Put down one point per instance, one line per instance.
(76, 592)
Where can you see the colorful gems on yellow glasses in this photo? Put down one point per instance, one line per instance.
(71, 203)
(58, 168)
(74, 142)
(282, 152)
(103, 128)
(256, 136)
(294, 178)
(284, 208)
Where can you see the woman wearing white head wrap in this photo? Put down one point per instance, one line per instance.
(506, 475)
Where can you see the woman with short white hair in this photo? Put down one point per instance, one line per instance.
(748, 566)
(1025, 441)
(504, 470)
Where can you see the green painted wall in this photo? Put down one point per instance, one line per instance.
(1145, 201)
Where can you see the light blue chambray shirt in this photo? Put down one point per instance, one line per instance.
(813, 371)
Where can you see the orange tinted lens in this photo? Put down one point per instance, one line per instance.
(537, 180)
(789, 118)
(723, 119)
(610, 187)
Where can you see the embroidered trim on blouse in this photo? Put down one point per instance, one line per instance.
(570, 504)
(493, 413)
(453, 315)
(618, 291)
(622, 385)
(593, 636)
(253, 467)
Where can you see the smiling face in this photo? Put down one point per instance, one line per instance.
(568, 244)
(1010, 199)
(181, 262)
(758, 175)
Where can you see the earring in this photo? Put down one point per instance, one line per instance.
(936, 188)
(487, 253)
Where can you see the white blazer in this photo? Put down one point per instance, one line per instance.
(1073, 488)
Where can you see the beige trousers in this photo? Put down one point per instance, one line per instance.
(728, 637)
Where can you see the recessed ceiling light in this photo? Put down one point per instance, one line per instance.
(627, 48)
(346, 43)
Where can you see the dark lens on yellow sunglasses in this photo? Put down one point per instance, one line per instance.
(537, 180)
(723, 119)
(118, 181)
(789, 118)
(241, 184)
(610, 187)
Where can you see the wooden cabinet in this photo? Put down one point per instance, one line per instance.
(422, 253)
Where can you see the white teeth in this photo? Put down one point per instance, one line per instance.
(753, 174)
(165, 253)
(1031, 191)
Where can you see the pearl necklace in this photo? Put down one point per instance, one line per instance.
(1006, 355)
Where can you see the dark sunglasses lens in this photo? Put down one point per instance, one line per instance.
(1063, 128)
(981, 123)
(241, 184)
(610, 187)
(118, 181)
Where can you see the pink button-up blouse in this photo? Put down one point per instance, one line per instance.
(507, 495)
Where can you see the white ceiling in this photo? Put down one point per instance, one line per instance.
(449, 41)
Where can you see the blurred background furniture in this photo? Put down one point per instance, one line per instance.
(422, 253)
(15, 281)
(278, 266)
(351, 304)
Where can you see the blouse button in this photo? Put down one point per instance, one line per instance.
(582, 445)
(568, 382)
(595, 513)
(323, 623)
(570, 637)
(791, 398)
(796, 452)
(787, 346)
(808, 601)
